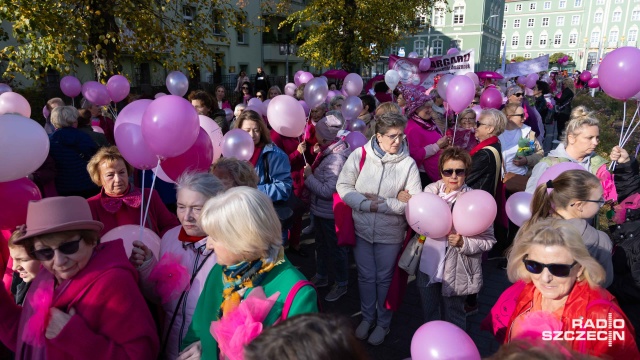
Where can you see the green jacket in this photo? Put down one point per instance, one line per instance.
(282, 278)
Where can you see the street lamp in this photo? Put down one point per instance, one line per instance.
(287, 49)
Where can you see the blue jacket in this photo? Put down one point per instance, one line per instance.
(279, 188)
(71, 149)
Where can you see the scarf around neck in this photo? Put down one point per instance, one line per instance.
(132, 198)
(377, 149)
(490, 141)
(186, 238)
(428, 125)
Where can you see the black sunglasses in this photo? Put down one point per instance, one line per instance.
(519, 115)
(449, 172)
(559, 270)
(518, 95)
(68, 248)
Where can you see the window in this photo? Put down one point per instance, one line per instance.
(617, 16)
(543, 39)
(422, 21)
(504, 24)
(597, 18)
(575, 20)
(595, 37)
(545, 21)
(458, 15)
(516, 23)
(540, 54)
(506, 7)
(527, 56)
(512, 56)
(436, 47)
(455, 44)
(613, 36)
(557, 39)
(562, 4)
(438, 17)
(502, 42)
(241, 19)
(515, 39)
(633, 35)
(573, 39)
(188, 13)
(578, 3)
(635, 15)
(560, 21)
(518, 7)
(531, 23)
(528, 40)
(547, 5)
(418, 47)
(217, 22)
(532, 6)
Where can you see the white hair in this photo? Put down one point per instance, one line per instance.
(64, 116)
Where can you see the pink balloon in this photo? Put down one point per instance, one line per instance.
(594, 83)
(5, 88)
(358, 125)
(355, 139)
(70, 86)
(305, 77)
(452, 51)
(306, 108)
(286, 116)
(585, 76)
(238, 144)
(429, 215)
(118, 88)
(265, 106)
(14, 103)
(491, 98)
(170, 125)
(594, 69)
(474, 212)
(353, 84)
(24, 146)
(474, 77)
(161, 175)
(522, 80)
(290, 89)
(254, 102)
(131, 144)
(296, 78)
(460, 92)
(442, 340)
(442, 85)
(425, 64)
(45, 112)
(518, 207)
(131, 233)
(351, 107)
(256, 108)
(557, 169)
(315, 92)
(198, 158)
(96, 93)
(15, 196)
(228, 115)
(413, 55)
(160, 94)
(97, 129)
(177, 83)
(132, 113)
(478, 110)
(215, 134)
(618, 73)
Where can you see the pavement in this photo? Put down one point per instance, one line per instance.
(409, 317)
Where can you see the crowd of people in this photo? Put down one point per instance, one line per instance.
(221, 270)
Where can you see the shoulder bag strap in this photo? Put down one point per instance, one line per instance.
(291, 296)
(498, 165)
(265, 165)
(363, 158)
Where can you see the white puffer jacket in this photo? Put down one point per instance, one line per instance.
(384, 177)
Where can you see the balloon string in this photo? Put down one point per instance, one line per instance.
(153, 183)
(630, 131)
(624, 117)
(455, 128)
(303, 157)
(142, 208)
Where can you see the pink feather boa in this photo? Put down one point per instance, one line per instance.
(533, 324)
(41, 302)
(170, 276)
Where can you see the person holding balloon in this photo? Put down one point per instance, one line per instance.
(376, 191)
(464, 135)
(486, 156)
(177, 279)
(120, 202)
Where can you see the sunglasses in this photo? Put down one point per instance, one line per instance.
(478, 124)
(559, 270)
(519, 115)
(68, 248)
(245, 88)
(450, 172)
(518, 95)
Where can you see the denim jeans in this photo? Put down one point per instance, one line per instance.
(327, 249)
(439, 307)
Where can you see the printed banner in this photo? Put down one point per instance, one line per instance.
(527, 67)
(458, 64)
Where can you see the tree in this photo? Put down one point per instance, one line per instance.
(346, 31)
(556, 56)
(53, 34)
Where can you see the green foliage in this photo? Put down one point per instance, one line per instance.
(519, 59)
(556, 56)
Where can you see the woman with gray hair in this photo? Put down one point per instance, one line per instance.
(71, 150)
(182, 247)
(486, 157)
(336, 103)
(375, 182)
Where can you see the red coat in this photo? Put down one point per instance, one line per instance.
(290, 146)
(160, 218)
(112, 320)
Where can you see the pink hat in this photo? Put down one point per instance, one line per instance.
(56, 214)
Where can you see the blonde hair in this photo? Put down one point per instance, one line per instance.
(64, 116)
(244, 221)
(388, 107)
(241, 172)
(465, 112)
(17, 234)
(553, 232)
(54, 101)
(497, 118)
(580, 117)
(109, 154)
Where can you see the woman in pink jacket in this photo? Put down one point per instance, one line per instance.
(86, 305)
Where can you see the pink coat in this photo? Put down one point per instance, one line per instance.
(112, 320)
(426, 159)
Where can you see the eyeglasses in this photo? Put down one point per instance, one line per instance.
(68, 248)
(559, 270)
(519, 115)
(518, 95)
(393, 138)
(245, 88)
(478, 124)
(450, 172)
(468, 119)
(600, 202)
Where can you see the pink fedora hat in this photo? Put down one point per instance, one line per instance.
(56, 214)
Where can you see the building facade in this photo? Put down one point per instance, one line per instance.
(585, 30)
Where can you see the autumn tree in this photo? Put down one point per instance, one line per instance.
(553, 58)
(55, 34)
(354, 32)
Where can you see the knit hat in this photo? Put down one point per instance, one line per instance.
(328, 127)
(414, 98)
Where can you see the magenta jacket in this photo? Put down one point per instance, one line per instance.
(112, 320)
(426, 159)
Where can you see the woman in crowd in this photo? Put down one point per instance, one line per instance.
(336, 103)
(373, 190)
(221, 95)
(51, 104)
(424, 137)
(120, 202)
(381, 92)
(260, 94)
(320, 179)
(205, 105)
(71, 149)
(539, 91)
(451, 267)
(366, 115)
(98, 119)
(400, 99)
(24, 267)
(387, 107)
(236, 112)
(486, 157)
(187, 245)
(463, 136)
(245, 94)
(578, 146)
(274, 91)
(563, 105)
(242, 79)
(244, 232)
(576, 196)
(84, 125)
(556, 280)
(233, 172)
(85, 304)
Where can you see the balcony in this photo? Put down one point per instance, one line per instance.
(272, 54)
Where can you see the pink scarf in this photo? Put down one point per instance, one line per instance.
(133, 198)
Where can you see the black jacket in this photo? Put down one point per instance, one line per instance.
(19, 288)
(262, 82)
(541, 106)
(483, 170)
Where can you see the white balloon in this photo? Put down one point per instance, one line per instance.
(392, 78)
(24, 146)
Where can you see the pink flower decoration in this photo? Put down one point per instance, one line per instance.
(36, 326)
(239, 327)
(170, 276)
(608, 186)
(533, 324)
